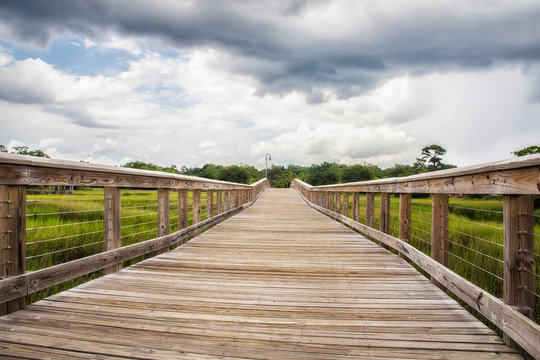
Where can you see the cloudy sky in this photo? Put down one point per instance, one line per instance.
(195, 82)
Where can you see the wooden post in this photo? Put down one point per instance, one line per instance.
(227, 198)
(338, 202)
(12, 239)
(196, 207)
(219, 201)
(183, 209)
(331, 201)
(405, 206)
(209, 204)
(370, 209)
(111, 218)
(345, 208)
(164, 209)
(384, 219)
(519, 267)
(356, 206)
(439, 230)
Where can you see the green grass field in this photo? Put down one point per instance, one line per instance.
(475, 237)
(61, 228)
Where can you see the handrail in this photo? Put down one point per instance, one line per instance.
(19, 172)
(518, 180)
(513, 176)
(27, 170)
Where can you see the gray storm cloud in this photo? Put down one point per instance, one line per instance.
(380, 42)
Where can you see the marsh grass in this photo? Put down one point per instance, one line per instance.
(475, 231)
(65, 227)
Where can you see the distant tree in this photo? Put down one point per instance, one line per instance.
(431, 159)
(528, 151)
(399, 170)
(324, 174)
(234, 173)
(210, 171)
(25, 150)
(356, 173)
(3, 148)
(152, 167)
(280, 177)
(298, 171)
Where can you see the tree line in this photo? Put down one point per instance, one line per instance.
(326, 173)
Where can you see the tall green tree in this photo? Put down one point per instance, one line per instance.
(25, 150)
(431, 159)
(527, 151)
(280, 177)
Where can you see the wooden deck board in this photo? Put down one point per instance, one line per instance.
(278, 281)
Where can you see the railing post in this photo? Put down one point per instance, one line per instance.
(355, 206)
(439, 230)
(12, 239)
(519, 264)
(111, 217)
(196, 207)
(209, 204)
(227, 198)
(345, 207)
(370, 209)
(384, 219)
(183, 209)
(338, 202)
(164, 209)
(219, 201)
(331, 201)
(405, 207)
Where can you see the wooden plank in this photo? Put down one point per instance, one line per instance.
(183, 209)
(112, 214)
(339, 195)
(439, 230)
(384, 214)
(196, 207)
(370, 209)
(12, 240)
(514, 176)
(519, 264)
(345, 207)
(219, 201)
(356, 207)
(164, 209)
(209, 204)
(405, 208)
(521, 329)
(22, 170)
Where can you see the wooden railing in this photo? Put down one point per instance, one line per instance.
(517, 180)
(18, 173)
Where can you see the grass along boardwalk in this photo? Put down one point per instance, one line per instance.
(277, 281)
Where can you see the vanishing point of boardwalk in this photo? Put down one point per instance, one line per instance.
(277, 281)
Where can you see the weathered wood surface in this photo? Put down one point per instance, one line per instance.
(28, 170)
(277, 281)
(514, 176)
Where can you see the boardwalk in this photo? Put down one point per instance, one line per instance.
(278, 281)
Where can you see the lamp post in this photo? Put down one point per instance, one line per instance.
(267, 157)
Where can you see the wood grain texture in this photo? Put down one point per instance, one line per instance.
(25, 170)
(514, 176)
(277, 281)
(521, 329)
(439, 230)
(112, 222)
(12, 240)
